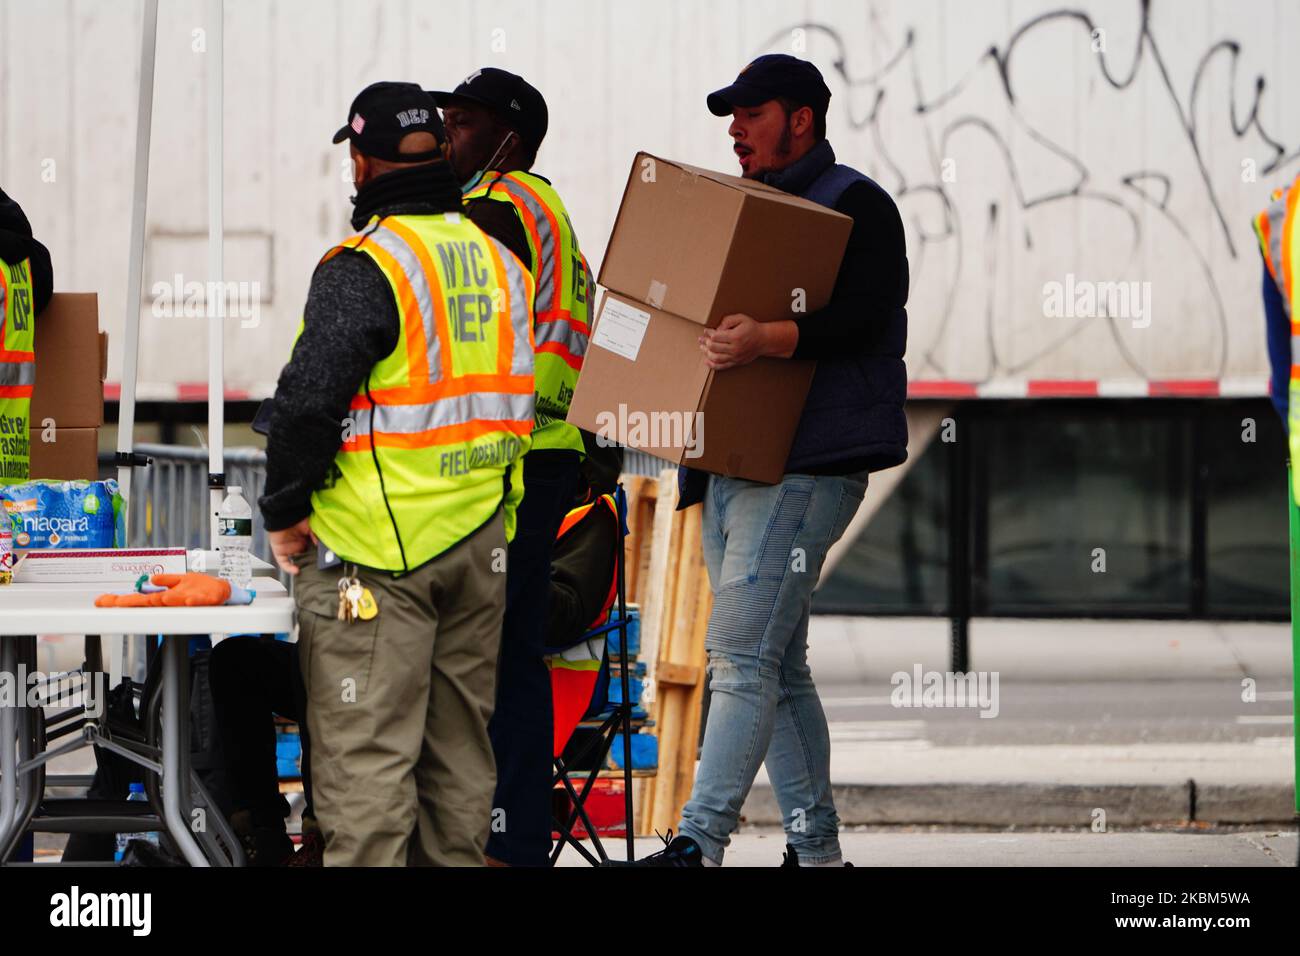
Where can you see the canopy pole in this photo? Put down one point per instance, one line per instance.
(216, 297)
(135, 267)
(1294, 525)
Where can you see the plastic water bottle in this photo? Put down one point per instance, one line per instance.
(136, 795)
(235, 537)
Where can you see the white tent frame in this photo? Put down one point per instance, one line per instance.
(215, 307)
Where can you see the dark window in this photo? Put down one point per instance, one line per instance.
(1186, 511)
(1246, 515)
(899, 565)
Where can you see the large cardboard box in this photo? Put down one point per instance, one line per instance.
(690, 246)
(71, 363)
(73, 453)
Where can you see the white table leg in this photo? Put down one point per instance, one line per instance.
(9, 742)
(176, 750)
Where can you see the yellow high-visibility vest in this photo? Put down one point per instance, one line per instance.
(562, 324)
(439, 428)
(1278, 229)
(17, 369)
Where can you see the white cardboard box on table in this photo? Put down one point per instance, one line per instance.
(92, 566)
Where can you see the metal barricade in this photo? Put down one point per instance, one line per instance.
(169, 497)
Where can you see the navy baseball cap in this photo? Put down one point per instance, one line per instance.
(768, 77)
(520, 105)
(383, 113)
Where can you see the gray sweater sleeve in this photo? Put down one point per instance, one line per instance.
(350, 322)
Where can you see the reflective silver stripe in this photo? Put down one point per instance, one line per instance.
(564, 333)
(409, 263)
(1276, 218)
(1295, 349)
(521, 361)
(454, 410)
(17, 373)
(544, 270)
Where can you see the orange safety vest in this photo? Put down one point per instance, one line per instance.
(575, 670)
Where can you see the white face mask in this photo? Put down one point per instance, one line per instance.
(473, 181)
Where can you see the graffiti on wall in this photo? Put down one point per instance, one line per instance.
(1074, 149)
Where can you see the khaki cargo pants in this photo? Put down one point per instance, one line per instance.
(398, 706)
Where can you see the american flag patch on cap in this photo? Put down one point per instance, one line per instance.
(358, 124)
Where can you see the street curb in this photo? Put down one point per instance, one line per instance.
(1040, 805)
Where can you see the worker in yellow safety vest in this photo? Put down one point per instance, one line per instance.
(26, 283)
(394, 459)
(1277, 228)
(496, 122)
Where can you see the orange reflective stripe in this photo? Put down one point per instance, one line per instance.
(561, 350)
(559, 264)
(347, 245)
(505, 322)
(432, 391)
(4, 308)
(448, 435)
(572, 518)
(25, 391)
(436, 287)
(417, 347)
(1288, 227)
(1263, 231)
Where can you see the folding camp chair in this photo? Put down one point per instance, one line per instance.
(618, 720)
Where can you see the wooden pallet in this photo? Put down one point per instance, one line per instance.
(675, 603)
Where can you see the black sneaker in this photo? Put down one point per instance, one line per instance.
(677, 851)
(263, 845)
(791, 857)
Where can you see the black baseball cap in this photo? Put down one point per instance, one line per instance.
(519, 104)
(768, 77)
(383, 113)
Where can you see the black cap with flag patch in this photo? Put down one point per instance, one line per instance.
(384, 113)
(519, 105)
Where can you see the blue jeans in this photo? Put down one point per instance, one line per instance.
(764, 546)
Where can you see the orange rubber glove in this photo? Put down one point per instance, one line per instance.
(190, 589)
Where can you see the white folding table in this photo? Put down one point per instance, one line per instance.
(30, 609)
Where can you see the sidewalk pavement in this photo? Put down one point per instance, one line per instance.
(927, 847)
(866, 650)
(886, 772)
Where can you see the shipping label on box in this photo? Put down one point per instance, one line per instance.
(86, 566)
(666, 400)
(622, 329)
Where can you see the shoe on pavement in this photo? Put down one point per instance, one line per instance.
(677, 851)
(312, 851)
(791, 857)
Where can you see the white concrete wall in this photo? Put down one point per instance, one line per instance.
(1016, 153)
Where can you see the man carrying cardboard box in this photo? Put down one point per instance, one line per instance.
(26, 283)
(764, 544)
